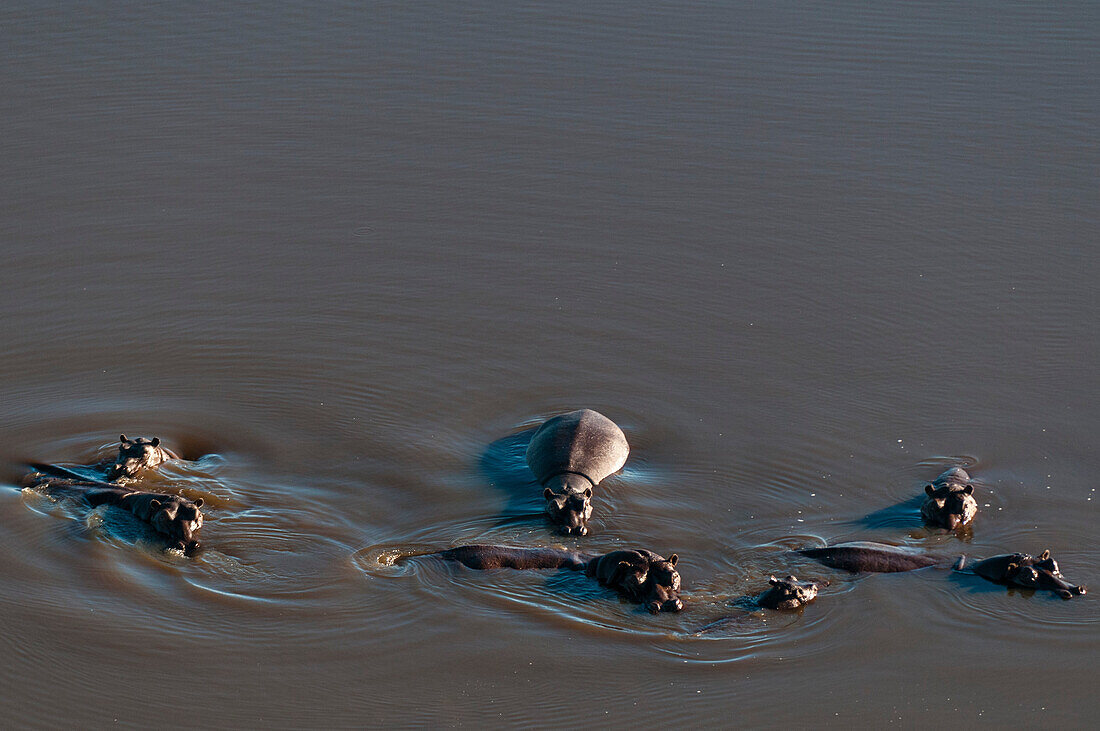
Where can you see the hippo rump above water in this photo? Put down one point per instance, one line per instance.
(569, 455)
(867, 556)
(639, 575)
(949, 500)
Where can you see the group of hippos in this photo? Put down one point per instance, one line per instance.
(570, 455)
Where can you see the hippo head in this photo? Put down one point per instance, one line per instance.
(178, 519)
(1042, 573)
(569, 510)
(135, 455)
(950, 506)
(660, 586)
(789, 593)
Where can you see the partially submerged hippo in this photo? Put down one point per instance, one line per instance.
(1020, 569)
(859, 556)
(640, 575)
(138, 455)
(950, 500)
(569, 455)
(789, 593)
(171, 515)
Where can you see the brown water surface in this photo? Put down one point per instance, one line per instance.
(344, 256)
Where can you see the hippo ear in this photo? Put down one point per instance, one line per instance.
(198, 502)
(548, 493)
(1045, 555)
(588, 492)
(930, 490)
(154, 504)
(772, 580)
(155, 442)
(673, 559)
(122, 438)
(969, 489)
(1012, 568)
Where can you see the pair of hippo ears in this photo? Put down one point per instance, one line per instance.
(773, 581)
(155, 440)
(931, 490)
(548, 493)
(156, 504)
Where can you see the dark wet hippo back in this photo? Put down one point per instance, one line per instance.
(481, 556)
(583, 442)
(857, 556)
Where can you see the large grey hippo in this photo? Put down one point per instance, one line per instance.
(569, 455)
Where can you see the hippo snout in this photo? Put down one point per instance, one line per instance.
(669, 605)
(191, 548)
(575, 530)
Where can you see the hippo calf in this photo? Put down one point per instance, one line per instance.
(789, 593)
(949, 501)
(171, 515)
(640, 575)
(1020, 569)
(137, 455)
(569, 455)
(866, 556)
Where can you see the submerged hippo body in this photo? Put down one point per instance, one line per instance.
(642, 576)
(789, 593)
(865, 556)
(569, 455)
(137, 455)
(1021, 569)
(949, 500)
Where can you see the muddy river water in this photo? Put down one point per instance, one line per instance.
(345, 255)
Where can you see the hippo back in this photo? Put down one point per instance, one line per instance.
(583, 442)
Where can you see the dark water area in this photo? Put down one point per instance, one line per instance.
(345, 255)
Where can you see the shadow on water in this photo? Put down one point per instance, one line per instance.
(504, 465)
(902, 515)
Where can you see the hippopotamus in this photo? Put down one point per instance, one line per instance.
(789, 593)
(641, 576)
(171, 515)
(859, 556)
(1020, 569)
(569, 455)
(950, 500)
(137, 455)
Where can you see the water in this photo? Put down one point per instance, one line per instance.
(806, 255)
